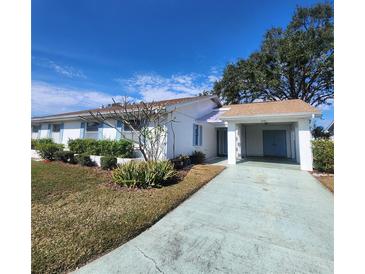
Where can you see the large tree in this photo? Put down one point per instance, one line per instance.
(292, 63)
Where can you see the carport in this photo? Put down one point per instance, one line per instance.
(279, 129)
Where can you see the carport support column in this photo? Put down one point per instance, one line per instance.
(305, 145)
(231, 139)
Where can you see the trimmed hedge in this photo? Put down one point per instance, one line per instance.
(65, 156)
(144, 174)
(108, 162)
(323, 155)
(35, 142)
(120, 148)
(47, 150)
(84, 160)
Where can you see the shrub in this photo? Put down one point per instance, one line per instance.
(144, 174)
(47, 150)
(130, 174)
(65, 156)
(323, 155)
(80, 146)
(181, 161)
(108, 162)
(159, 173)
(84, 160)
(197, 157)
(35, 142)
(120, 148)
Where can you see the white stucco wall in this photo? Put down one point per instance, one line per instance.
(296, 142)
(44, 130)
(305, 145)
(110, 132)
(185, 117)
(232, 140)
(71, 130)
(254, 136)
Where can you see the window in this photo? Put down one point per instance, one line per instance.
(92, 126)
(35, 129)
(135, 124)
(56, 128)
(197, 135)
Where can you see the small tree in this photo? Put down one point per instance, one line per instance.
(147, 122)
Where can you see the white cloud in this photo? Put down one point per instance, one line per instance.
(51, 99)
(213, 78)
(151, 86)
(64, 70)
(324, 107)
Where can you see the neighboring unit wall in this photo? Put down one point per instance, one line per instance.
(181, 133)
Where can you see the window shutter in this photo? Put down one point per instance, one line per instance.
(100, 131)
(82, 130)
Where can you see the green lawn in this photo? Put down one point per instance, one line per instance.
(77, 214)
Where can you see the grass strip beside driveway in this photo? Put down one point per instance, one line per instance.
(327, 181)
(77, 216)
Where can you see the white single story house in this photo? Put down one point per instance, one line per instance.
(266, 129)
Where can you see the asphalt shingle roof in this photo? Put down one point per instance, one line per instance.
(268, 108)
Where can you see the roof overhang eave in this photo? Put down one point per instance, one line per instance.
(107, 114)
(297, 115)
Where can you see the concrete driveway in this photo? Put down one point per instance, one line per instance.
(252, 218)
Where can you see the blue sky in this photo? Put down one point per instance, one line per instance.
(86, 52)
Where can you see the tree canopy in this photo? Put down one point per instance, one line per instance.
(318, 132)
(292, 63)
